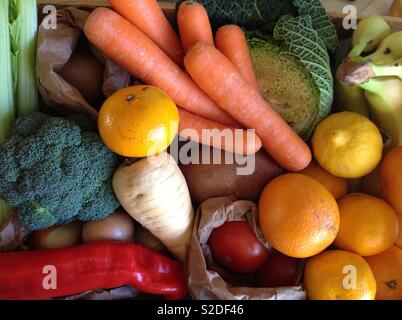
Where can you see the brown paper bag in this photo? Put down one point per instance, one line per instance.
(12, 233)
(54, 49)
(205, 277)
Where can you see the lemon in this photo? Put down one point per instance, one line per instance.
(138, 121)
(347, 145)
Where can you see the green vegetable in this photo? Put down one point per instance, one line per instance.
(7, 103)
(298, 38)
(247, 13)
(55, 171)
(285, 83)
(321, 22)
(18, 89)
(253, 14)
(24, 30)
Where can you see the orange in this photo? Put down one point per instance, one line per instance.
(298, 216)
(391, 178)
(138, 121)
(398, 242)
(371, 184)
(387, 269)
(368, 225)
(337, 186)
(339, 275)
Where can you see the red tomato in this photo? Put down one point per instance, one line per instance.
(235, 246)
(278, 271)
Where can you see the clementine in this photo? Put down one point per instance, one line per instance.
(391, 178)
(398, 242)
(138, 121)
(387, 269)
(298, 215)
(368, 225)
(339, 275)
(337, 186)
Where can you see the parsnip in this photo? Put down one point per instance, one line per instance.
(154, 192)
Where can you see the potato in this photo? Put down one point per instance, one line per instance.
(58, 236)
(119, 226)
(146, 239)
(215, 180)
(85, 73)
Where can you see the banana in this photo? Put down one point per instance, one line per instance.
(388, 51)
(369, 33)
(384, 95)
(354, 73)
(348, 98)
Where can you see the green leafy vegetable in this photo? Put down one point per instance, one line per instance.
(247, 13)
(321, 22)
(285, 83)
(299, 38)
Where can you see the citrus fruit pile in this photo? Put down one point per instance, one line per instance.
(352, 241)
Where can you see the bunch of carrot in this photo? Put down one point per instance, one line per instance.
(220, 90)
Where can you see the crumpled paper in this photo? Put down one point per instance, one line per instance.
(54, 49)
(208, 281)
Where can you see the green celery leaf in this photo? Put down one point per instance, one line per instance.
(15, 27)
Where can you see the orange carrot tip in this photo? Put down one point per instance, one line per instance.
(148, 17)
(231, 41)
(194, 25)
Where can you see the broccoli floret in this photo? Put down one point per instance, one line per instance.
(57, 170)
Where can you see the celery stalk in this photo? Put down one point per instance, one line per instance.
(7, 101)
(27, 21)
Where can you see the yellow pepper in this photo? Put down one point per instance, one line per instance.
(396, 9)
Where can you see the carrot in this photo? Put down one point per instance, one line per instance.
(193, 23)
(123, 43)
(148, 16)
(230, 40)
(219, 78)
(234, 140)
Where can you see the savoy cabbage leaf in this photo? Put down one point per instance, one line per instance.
(300, 39)
(250, 14)
(321, 22)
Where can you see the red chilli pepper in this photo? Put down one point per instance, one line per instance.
(99, 265)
